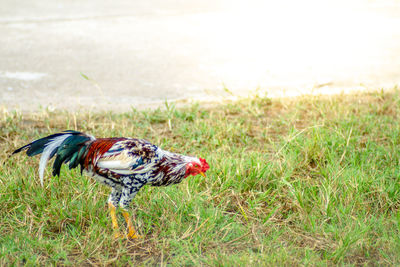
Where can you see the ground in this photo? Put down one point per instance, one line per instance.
(139, 53)
(293, 181)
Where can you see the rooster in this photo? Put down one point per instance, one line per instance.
(124, 164)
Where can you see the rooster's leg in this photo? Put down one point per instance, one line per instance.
(113, 201)
(131, 230)
(128, 193)
(113, 213)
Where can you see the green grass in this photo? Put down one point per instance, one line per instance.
(311, 180)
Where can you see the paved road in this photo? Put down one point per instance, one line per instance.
(139, 53)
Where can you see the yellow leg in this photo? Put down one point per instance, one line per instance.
(131, 230)
(113, 213)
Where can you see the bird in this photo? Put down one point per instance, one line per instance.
(125, 164)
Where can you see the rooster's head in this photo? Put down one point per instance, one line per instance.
(197, 167)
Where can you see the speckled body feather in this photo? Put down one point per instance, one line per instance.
(125, 164)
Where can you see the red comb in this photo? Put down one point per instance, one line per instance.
(204, 165)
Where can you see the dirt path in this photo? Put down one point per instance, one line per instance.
(139, 53)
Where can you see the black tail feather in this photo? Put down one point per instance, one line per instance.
(68, 149)
(37, 146)
(71, 149)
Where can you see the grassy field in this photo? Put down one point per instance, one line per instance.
(311, 180)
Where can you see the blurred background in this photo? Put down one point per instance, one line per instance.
(104, 54)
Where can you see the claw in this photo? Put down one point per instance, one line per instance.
(118, 235)
(134, 236)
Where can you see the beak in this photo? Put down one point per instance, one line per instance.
(202, 174)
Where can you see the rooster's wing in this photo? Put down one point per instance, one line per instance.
(128, 157)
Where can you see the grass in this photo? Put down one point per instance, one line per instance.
(310, 180)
